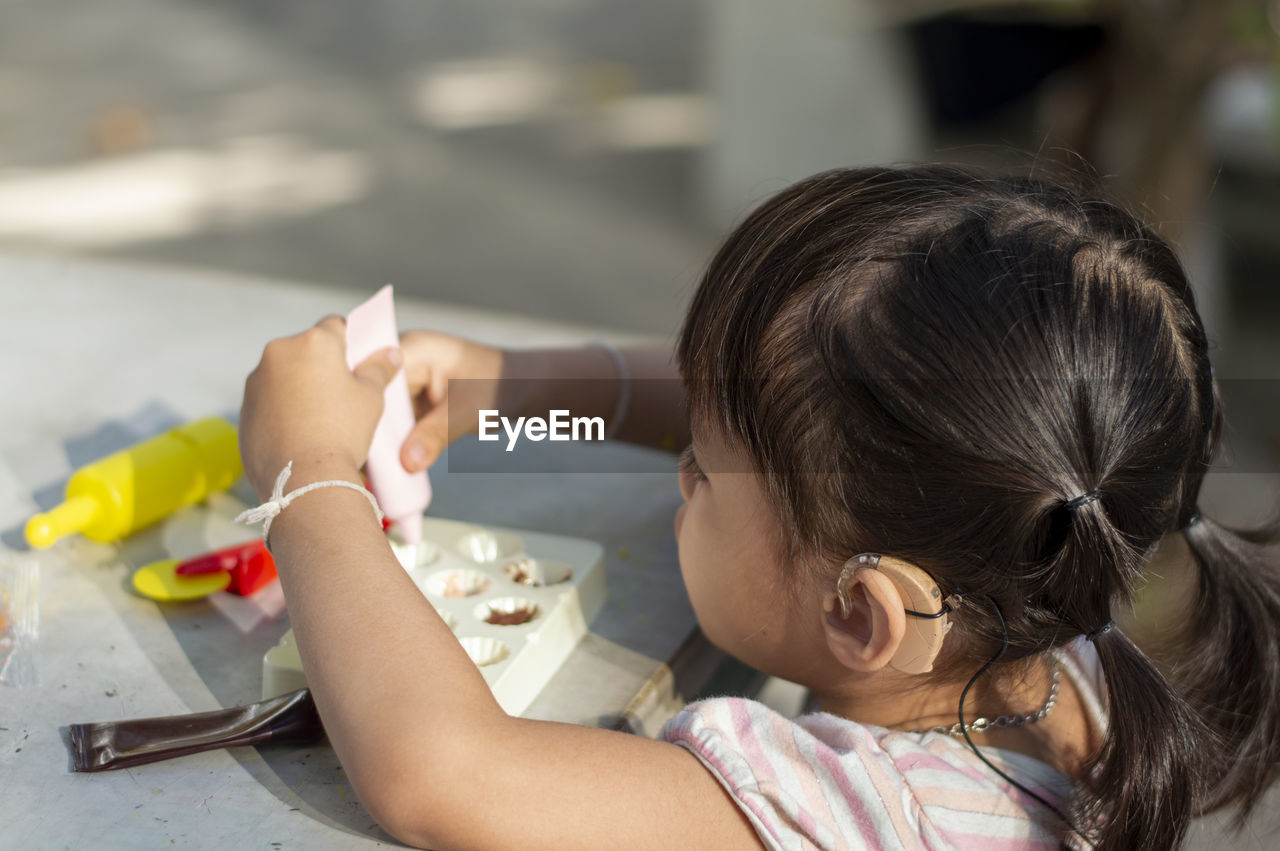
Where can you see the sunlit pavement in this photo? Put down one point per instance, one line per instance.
(541, 159)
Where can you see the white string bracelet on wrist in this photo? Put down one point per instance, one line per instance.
(624, 388)
(270, 509)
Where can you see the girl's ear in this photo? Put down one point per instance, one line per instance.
(864, 619)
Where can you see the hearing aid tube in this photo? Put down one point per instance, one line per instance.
(141, 485)
(403, 496)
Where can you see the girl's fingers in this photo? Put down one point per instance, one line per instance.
(442, 369)
(428, 439)
(426, 357)
(380, 367)
(437, 386)
(334, 324)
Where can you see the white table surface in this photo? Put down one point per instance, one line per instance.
(97, 356)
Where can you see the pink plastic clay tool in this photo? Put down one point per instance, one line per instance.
(402, 495)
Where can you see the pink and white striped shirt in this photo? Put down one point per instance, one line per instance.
(821, 781)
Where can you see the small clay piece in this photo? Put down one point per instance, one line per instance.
(535, 574)
(521, 571)
(463, 585)
(512, 618)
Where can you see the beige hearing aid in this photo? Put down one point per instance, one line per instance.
(927, 620)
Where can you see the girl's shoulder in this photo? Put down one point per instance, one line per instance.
(824, 781)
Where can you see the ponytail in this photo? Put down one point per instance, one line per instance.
(1148, 779)
(1205, 734)
(1227, 663)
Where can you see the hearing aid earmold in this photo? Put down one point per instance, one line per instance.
(927, 611)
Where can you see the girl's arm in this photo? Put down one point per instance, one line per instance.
(428, 750)
(454, 378)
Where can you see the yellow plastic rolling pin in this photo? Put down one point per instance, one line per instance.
(143, 484)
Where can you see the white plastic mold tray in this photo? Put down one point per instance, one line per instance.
(518, 602)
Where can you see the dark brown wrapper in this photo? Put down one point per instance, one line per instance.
(106, 745)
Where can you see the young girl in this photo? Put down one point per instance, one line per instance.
(939, 423)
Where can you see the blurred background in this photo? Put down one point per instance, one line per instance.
(580, 159)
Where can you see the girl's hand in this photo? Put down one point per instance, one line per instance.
(447, 408)
(303, 404)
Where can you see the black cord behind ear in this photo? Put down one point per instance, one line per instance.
(964, 727)
(946, 610)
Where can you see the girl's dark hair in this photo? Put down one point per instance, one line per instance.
(931, 363)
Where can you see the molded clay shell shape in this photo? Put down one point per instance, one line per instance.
(417, 555)
(537, 572)
(507, 611)
(485, 547)
(449, 620)
(462, 582)
(485, 651)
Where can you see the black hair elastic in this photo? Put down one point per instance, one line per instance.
(1082, 500)
(1193, 519)
(1101, 631)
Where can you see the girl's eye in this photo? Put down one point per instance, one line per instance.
(689, 466)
